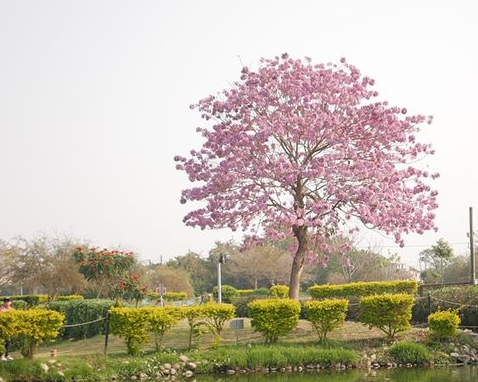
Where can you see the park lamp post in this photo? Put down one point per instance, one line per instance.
(222, 260)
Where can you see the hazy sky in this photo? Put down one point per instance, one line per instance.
(95, 95)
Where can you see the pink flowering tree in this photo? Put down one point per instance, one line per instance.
(305, 150)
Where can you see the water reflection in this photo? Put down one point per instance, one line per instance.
(446, 374)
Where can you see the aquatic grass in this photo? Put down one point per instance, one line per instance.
(270, 356)
(409, 352)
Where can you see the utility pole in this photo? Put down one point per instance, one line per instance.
(221, 261)
(472, 250)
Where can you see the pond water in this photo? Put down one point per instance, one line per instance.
(444, 374)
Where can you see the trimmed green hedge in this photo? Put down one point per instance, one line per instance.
(71, 297)
(253, 292)
(241, 304)
(175, 296)
(245, 292)
(77, 311)
(361, 289)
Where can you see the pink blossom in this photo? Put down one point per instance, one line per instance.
(295, 147)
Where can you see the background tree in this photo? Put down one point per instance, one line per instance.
(300, 149)
(260, 266)
(47, 265)
(457, 269)
(174, 279)
(434, 261)
(8, 254)
(200, 271)
(131, 288)
(354, 264)
(103, 266)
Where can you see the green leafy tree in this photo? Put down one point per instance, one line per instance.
(435, 260)
(174, 279)
(201, 271)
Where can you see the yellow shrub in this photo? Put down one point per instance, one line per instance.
(443, 324)
(326, 315)
(391, 313)
(34, 326)
(130, 324)
(194, 316)
(175, 296)
(361, 289)
(160, 320)
(274, 318)
(217, 315)
(8, 327)
(280, 291)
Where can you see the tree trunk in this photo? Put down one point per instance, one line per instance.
(298, 263)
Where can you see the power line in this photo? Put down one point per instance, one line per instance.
(408, 246)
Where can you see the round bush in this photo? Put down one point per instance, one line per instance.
(325, 315)
(391, 313)
(443, 324)
(279, 291)
(274, 318)
(228, 293)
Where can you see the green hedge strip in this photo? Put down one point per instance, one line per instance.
(78, 311)
(361, 289)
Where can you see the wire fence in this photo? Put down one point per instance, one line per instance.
(83, 323)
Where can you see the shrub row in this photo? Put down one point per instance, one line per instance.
(361, 289)
(253, 292)
(135, 324)
(79, 311)
(273, 318)
(230, 294)
(30, 328)
(168, 296)
(20, 304)
(71, 297)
